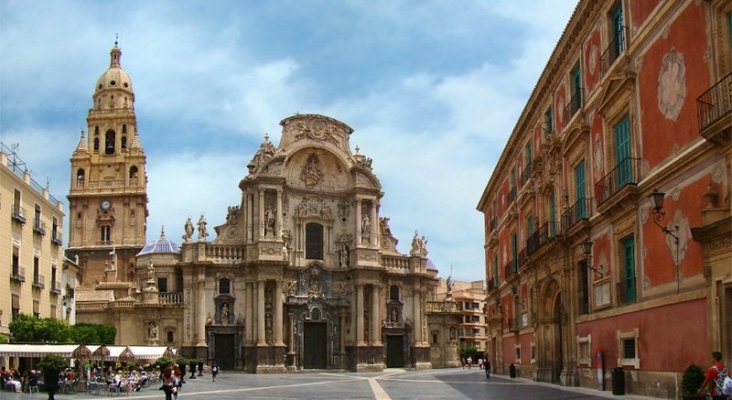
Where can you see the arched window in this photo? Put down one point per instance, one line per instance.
(394, 292)
(224, 286)
(314, 241)
(109, 142)
(124, 143)
(169, 337)
(124, 129)
(106, 233)
(80, 177)
(96, 139)
(133, 175)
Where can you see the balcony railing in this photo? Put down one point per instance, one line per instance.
(510, 269)
(18, 213)
(17, 274)
(171, 298)
(39, 281)
(441, 307)
(57, 237)
(512, 194)
(55, 287)
(624, 174)
(541, 236)
(627, 291)
(579, 211)
(575, 103)
(522, 256)
(715, 103)
(39, 227)
(526, 174)
(608, 57)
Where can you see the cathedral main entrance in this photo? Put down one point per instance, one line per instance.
(314, 341)
(224, 351)
(394, 351)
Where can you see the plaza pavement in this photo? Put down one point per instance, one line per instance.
(391, 384)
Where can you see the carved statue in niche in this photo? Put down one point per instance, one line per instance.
(225, 314)
(270, 222)
(314, 289)
(343, 256)
(291, 288)
(365, 227)
(311, 174)
(152, 330)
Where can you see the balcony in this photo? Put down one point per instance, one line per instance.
(579, 211)
(614, 49)
(55, 287)
(624, 174)
(522, 256)
(57, 237)
(541, 236)
(510, 269)
(512, 194)
(39, 282)
(526, 174)
(714, 108)
(575, 103)
(18, 214)
(17, 274)
(171, 298)
(39, 227)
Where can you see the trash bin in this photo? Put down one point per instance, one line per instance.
(618, 380)
(512, 371)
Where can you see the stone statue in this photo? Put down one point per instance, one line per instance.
(209, 321)
(365, 227)
(152, 330)
(285, 255)
(269, 226)
(188, 230)
(419, 245)
(225, 314)
(343, 256)
(202, 233)
(150, 269)
(449, 284)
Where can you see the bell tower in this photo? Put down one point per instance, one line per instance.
(108, 193)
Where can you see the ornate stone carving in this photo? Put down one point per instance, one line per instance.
(313, 207)
(265, 152)
(316, 130)
(232, 215)
(419, 246)
(311, 174)
(671, 85)
(344, 209)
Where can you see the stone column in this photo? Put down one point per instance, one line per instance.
(201, 308)
(261, 213)
(278, 315)
(374, 224)
(343, 337)
(359, 315)
(249, 307)
(375, 300)
(417, 298)
(260, 313)
(358, 222)
(278, 234)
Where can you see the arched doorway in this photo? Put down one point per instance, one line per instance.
(558, 338)
(550, 333)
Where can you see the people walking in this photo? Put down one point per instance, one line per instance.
(214, 370)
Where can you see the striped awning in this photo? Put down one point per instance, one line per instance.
(38, 350)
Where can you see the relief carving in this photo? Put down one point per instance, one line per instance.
(672, 85)
(313, 207)
(311, 174)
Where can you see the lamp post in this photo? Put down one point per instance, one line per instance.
(587, 249)
(656, 198)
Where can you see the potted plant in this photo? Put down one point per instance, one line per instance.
(691, 381)
(51, 365)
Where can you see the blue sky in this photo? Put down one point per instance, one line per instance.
(432, 90)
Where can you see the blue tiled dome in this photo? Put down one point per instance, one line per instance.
(160, 246)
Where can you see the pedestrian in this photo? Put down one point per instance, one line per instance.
(480, 363)
(487, 368)
(177, 381)
(715, 372)
(168, 382)
(200, 367)
(214, 370)
(470, 362)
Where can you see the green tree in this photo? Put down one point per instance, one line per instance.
(55, 331)
(25, 328)
(107, 333)
(93, 333)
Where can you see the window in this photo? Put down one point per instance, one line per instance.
(514, 253)
(36, 269)
(16, 261)
(123, 143)
(394, 293)
(584, 356)
(314, 241)
(495, 270)
(133, 175)
(169, 337)
(80, 177)
(105, 235)
(434, 338)
(15, 306)
(109, 139)
(584, 295)
(36, 309)
(579, 189)
(623, 156)
(627, 283)
(163, 285)
(628, 348)
(96, 139)
(552, 215)
(518, 353)
(548, 121)
(224, 286)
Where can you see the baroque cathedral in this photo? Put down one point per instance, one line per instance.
(304, 273)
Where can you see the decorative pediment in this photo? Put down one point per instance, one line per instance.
(616, 85)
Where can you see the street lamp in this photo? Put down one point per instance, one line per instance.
(656, 198)
(587, 249)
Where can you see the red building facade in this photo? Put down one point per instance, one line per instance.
(636, 99)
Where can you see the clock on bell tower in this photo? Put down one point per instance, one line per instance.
(108, 193)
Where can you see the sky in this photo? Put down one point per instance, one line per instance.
(432, 90)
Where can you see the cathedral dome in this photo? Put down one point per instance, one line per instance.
(162, 245)
(114, 77)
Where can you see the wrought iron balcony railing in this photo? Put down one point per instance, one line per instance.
(512, 194)
(57, 237)
(39, 281)
(39, 227)
(613, 50)
(715, 103)
(510, 269)
(541, 236)
(55, 287)
(624, 174)
(575, 103)
(526, 174)
(18, 213)
(627, 291)
(17, 274)
(579, 211)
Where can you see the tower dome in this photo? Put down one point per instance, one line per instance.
(115, 79)
(162, 245)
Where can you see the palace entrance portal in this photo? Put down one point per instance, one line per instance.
(224, 351)
(394, 351)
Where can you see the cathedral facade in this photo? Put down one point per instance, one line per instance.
(304, 273)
